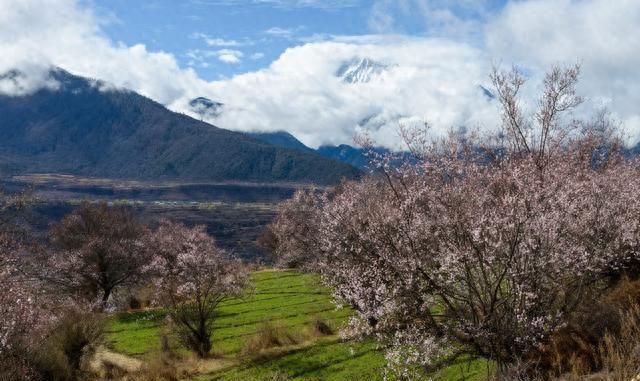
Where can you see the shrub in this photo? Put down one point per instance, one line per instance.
(575, 348)
(319, 327)
(139, 297)
(620, 353)
(268, 337)
(73, 339)
(112, 371)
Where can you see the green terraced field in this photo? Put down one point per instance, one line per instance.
(287, 300)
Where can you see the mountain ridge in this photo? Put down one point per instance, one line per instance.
(83, 127)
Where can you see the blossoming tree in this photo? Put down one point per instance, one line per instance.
(476, 247)
(20, 312)
(192, 277)
(99, 250)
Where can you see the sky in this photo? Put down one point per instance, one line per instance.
(273, 63)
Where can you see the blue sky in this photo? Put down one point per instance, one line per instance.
(198, 31)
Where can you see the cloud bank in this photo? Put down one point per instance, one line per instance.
(430, 78)
(300, 92)
(600, 35)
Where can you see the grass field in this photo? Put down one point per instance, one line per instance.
(289, 301)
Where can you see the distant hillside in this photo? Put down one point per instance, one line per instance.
(281, 139)
(356, 157)
(346, 154)
(87, 128)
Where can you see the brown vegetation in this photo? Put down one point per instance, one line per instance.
(600, 337)
(268, 337)
(64, 354)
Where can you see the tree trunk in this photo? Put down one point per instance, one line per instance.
(106, 294)
(204, 340)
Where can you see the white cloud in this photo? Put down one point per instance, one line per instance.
(433, 80)
(282, 32)
(37, 33)
(380, 19)
(257, 56)
(462, 18)
(214, 41)
(230, 56)
(30, 78)
(201, 58)
(323, 4)
(299, 91)
(599, 34)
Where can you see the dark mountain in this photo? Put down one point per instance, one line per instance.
(87, 128)
(356, 157)
(346, 154)
(281, 139)
(206, 108)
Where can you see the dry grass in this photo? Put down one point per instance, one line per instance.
(267, 337)
(319, 327)
(600, 343)
(575, 349)
(116, 367)
(620, 353)
(64, 355)
(158, 370)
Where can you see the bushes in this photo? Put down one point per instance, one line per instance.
(63, 355)
(268, 337)
(616, 357)
(620, 354)
(320, 327)
(576, 348)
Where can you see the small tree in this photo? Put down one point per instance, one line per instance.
(99, 249)
(193, 276)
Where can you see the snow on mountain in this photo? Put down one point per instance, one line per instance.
(361, 70)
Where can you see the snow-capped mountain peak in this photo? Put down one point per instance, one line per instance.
(360, 70)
